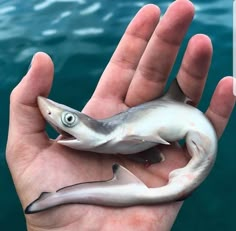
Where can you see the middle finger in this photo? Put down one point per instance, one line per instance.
(159, 56)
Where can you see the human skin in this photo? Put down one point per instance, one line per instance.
(136, 73)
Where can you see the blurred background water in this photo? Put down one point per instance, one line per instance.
(80, 36)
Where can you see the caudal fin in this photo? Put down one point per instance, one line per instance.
(32, 207)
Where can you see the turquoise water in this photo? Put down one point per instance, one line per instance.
(80, 36)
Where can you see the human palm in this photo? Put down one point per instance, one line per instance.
(137, 72)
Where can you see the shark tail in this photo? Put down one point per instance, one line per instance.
(32, 207)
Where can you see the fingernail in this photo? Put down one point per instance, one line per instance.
(29, 67)
(31, 63)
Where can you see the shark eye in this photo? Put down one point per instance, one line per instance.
(69, 119)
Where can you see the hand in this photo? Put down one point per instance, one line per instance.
(137, 72)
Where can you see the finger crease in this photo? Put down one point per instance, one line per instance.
(124, 64)
(190, 73)
(169, 42)
(137, 36)
(152, 74)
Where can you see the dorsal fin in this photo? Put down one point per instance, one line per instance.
(123, 176)
(175, 93)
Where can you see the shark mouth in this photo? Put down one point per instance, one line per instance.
(64, 136)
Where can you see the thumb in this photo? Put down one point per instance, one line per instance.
(25, 117)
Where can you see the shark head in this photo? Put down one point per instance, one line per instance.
(77, 129)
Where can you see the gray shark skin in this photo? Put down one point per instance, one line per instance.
(161, 121)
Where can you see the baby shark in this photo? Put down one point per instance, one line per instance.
(140, 128)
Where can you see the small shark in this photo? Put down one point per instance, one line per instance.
(139, 129)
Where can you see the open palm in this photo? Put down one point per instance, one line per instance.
(137, 72)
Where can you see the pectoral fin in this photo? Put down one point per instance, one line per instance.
(141, 139)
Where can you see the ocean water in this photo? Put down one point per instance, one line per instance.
(80, 36)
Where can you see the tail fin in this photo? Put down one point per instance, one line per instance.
(31, 207)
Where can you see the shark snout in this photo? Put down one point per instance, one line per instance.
(44, 106)
(50, 110)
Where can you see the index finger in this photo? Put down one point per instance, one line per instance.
(118, 74)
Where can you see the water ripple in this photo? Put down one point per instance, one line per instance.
(214, 13)
(49, 32)
(132, 4)
(25, 54)
(47, 3)
(91, 9)
(62, 16)
(88, 31)
(107, 17)
(7, 9)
